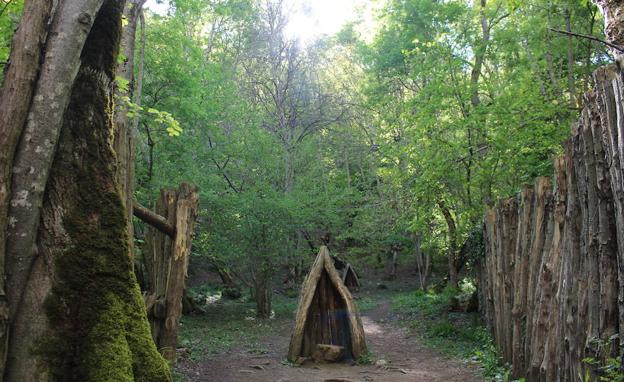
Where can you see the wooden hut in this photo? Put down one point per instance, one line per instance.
(350, 278)
(327, 314)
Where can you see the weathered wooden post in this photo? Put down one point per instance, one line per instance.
(166, 256)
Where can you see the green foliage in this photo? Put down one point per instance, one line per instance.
(429, 315)
(604, 365)
(359, 141)
(367, 358)
(10, 13)
(133, 110)
(229, 324)
(466, 119)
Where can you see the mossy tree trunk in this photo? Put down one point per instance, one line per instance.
(76, 313)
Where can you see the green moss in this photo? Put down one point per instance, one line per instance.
(108, 356)
(99, 327)
(146, 367)
(96, 307)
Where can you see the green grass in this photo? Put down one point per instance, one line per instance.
(367, 303)
(179, 377)
(460, 335)
(226, 325)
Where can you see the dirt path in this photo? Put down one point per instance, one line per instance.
(406, 360)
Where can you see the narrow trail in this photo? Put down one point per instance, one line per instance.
(406, 360)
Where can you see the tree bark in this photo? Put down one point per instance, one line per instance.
(568, 256)
(521, 264)
(423, 262)
(76, 311)
(124, 134)
(613, 13)
(452, 244)
(19, 84)
(264, 294)
(153, 219)
(166, 261)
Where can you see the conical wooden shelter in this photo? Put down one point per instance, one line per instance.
(327, 314)
(350, 278)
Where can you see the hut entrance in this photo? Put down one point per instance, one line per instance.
(327, 321)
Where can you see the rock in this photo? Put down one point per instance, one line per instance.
(381, 363)
(327, 353)
(300, 361)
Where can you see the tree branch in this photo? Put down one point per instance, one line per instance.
(153, 219)
(592, 38)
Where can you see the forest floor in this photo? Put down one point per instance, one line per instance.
(225, 344)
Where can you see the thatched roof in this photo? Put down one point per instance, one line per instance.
(326, 314)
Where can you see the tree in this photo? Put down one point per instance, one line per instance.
(457, 89)
(75, 310)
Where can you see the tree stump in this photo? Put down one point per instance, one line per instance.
(166, 263)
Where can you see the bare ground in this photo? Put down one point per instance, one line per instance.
(406, 360)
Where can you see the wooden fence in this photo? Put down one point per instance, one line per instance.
(554, 254)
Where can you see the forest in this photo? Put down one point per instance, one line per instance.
(307, 190)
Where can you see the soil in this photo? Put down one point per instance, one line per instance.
(399, 358)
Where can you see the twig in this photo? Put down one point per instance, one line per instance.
(6, 5)
(592, 38)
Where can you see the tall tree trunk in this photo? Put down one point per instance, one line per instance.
(19, 84)
(480, 51)
(613, 14)
(423, 261)
(75, 308)
(124, 133)
(263, 292)
(571, 80)
(452, 244)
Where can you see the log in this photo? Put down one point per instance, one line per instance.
(328, 353)
(521, 265)
(153, 219)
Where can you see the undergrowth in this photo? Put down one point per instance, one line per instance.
(462, 335)
(223, 325)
